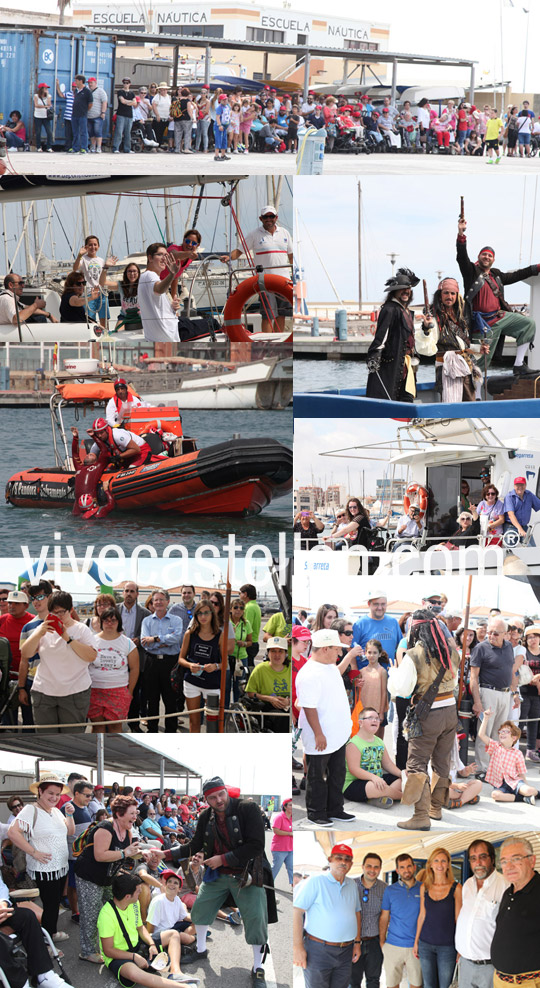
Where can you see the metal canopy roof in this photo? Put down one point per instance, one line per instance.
(135, 38)
(389, 843)
(17, 188)
(124, 753)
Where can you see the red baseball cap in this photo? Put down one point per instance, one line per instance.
(285, 801)
(342, 849)
(99, 787)
(299, 631)
(92, 79)
(519, 480)
(169, 873)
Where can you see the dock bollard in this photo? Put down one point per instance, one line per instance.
(315, 326)
(340, 320)
(211, 710)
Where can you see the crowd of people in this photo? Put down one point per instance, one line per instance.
(438, 683)
(506, 517)
(143, 873)
(152, 300)
(421, 924)
(136, 657)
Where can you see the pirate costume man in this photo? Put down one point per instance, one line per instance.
(458, 377)
(485, 303)
(230, 834)
(427, 675)
(390, 358)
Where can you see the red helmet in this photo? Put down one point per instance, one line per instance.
(120, 383)
(86, 501)
(98, 425)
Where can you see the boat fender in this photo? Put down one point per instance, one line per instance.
(415, 494)
(264, 281)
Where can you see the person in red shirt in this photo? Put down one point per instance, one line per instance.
(486, 305)
(183, 254)
(11, 625)
(3, 601)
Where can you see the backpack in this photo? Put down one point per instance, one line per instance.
(176, 110)
(84, 839)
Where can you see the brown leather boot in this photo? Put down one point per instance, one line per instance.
(414, 787)
(420, 819)
(439, 798)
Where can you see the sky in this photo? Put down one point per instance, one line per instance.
(255, 768)
(492, 32)
(334, 434)
(311, 590)
(214, 221)
(415, 217)
(147, 571)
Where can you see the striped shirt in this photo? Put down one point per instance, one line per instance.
(370, 906)
(270, 250)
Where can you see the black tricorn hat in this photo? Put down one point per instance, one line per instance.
(403, 278)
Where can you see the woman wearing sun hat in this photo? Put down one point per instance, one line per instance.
(41, 831)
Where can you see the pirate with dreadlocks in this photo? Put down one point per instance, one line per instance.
(458, 377)
(391, 359)
(427, 674)
(486, 305)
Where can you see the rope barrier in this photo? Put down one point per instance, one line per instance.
(137, 720)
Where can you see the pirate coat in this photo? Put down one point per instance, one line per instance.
(427, 668)
(394, 328)
(473, 279)
(245, 828)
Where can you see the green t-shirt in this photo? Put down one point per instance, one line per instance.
(371, 753)
(241, 631)
(277, 626)
(108, 926)
(252, 613)
(264, 680)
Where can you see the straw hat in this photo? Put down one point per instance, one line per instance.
(48, 777)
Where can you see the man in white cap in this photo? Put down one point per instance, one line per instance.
(271, 248)
(378, 624)
(11, 625)
(325, 720)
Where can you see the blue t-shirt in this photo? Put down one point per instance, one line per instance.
(404, 906)
(522, 507)
(387, 631)
(168, 821)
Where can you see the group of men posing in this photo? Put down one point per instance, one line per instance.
(464, 330)
(345, 929)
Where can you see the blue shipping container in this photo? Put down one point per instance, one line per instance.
(33, 56)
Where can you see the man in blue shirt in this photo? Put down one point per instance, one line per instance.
(326, 924)
(377, 625)
(161, 636)
(397, 928)
(519, 505)
(167, 822)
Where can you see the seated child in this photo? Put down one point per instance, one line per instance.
(167, 911)
(506, 770)
(371, 775)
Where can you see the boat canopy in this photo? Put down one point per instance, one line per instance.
(89, 392)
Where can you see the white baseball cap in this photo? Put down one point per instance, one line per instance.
(326, 636)
(17, 597)
(375, 594)
(277, 642)
(269, 209)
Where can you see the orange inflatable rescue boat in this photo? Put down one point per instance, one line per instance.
(234, 477)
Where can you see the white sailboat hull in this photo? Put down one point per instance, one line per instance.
(263, 384)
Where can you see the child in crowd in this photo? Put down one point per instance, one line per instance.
(325, 720)
(373, 680)
(233, 130)
(506, 770)
(167, 911)
(371, 775)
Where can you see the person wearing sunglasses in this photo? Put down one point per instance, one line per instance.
(10, 301)
(492, 663)
(493, 508)
(184, 254)
(74, 298)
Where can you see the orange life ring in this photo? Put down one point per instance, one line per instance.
(232, 314)
(421, 498)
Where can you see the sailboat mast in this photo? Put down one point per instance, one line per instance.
(84, 218)
(359, 246)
